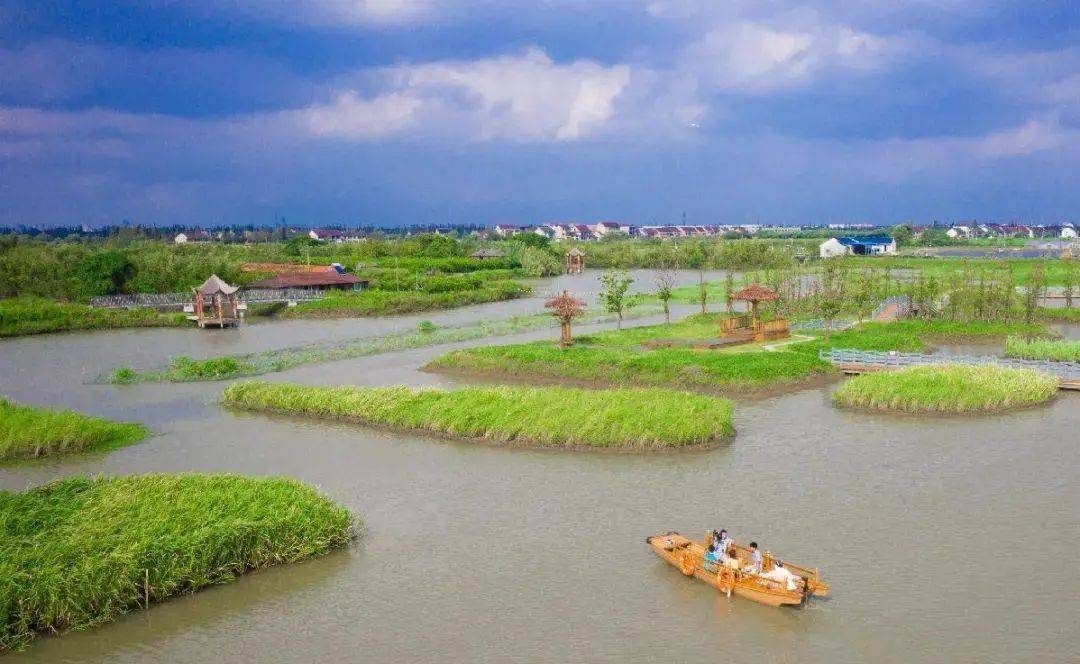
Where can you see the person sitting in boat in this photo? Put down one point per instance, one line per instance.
(723, 542)
(783, 575)
(731, 558)
(713, 552)
(755, 560)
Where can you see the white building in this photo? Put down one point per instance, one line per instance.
(1068, 231)
(872, 245)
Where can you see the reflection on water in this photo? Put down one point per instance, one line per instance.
(943, 539)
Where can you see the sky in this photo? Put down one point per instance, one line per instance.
(400, 112)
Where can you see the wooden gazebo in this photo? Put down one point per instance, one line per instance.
(216, 304)
(752, 324)
(575, 261)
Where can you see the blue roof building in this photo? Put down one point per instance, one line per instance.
(867, 245)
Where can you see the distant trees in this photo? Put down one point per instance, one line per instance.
(565, 308)
(104, 273)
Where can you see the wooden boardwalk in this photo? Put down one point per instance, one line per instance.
(179, 300)
(864, 361)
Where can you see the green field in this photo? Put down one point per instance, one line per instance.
(27, 432)
(636, 419)
(80, 552)
(948, 389)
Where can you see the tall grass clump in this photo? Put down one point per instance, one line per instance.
(80, 552)
(1059, 350)
(544, 417)
(28, 433)
(952, 388)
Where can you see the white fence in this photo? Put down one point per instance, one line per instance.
(1069, 371)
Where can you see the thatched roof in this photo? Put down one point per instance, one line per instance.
(487, 253)
(215, 285)
(575, 252)
(756, 293)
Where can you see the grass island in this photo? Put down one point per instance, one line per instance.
(80, 551)
(634, 419)
(27, 432)
(948, 389)
(632, 356)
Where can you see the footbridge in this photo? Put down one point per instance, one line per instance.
(182, 300)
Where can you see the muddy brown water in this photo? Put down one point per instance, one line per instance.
(944, 539)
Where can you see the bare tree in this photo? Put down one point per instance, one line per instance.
(665, 283)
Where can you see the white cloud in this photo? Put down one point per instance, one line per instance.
(756, 58)
(349, 116)
(1035, 136)
(524, 97)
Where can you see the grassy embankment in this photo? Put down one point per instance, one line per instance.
(80, 552)
(29, 433)
(1058, 350)
(948, 389)
(541, 417)
(33, 315)
(621, 357)
(186, 369)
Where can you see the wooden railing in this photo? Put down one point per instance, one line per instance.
(733, 323)
(779, 325)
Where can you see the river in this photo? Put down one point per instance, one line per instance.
(944, 539)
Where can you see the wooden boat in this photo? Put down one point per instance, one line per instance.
(689, 557)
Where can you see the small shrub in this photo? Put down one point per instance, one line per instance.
(124, 376)
(216, 368)
(427, 327)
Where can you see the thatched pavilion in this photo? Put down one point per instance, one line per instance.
(756, 294)
(216, 304)
(575, 261)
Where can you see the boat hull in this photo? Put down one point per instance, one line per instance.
(689, 558)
